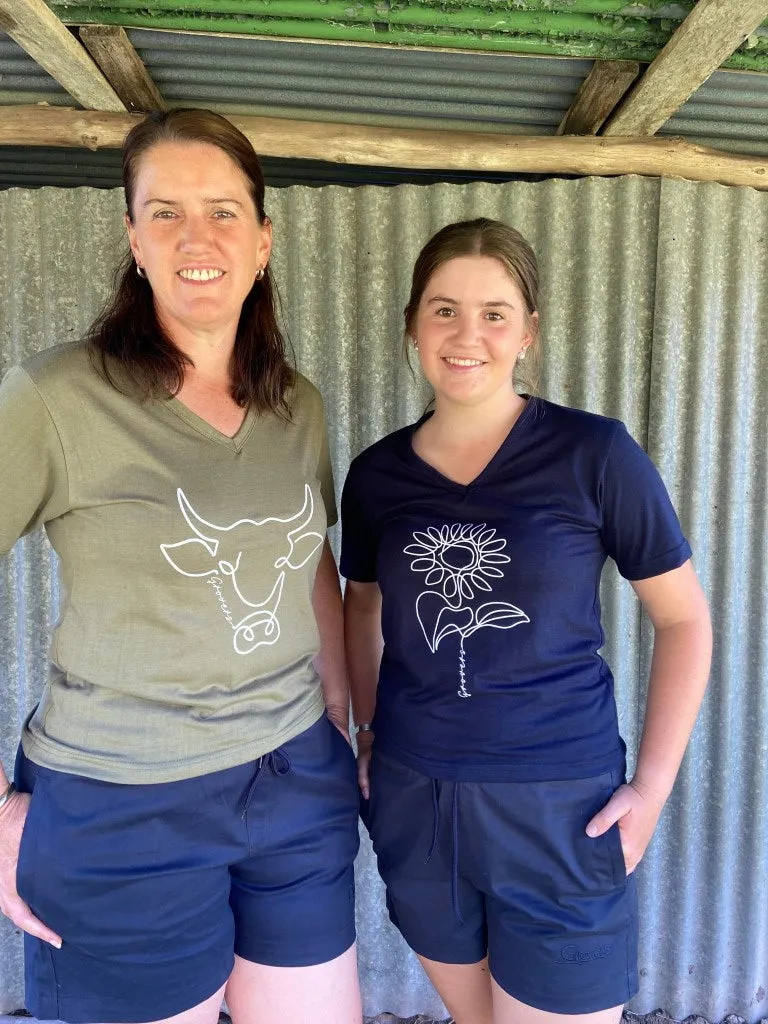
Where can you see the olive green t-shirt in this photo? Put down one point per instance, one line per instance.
(187, 558)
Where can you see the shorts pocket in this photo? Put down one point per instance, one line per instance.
(615, 854)
(608, 845)
(26, 874)
(345, 751)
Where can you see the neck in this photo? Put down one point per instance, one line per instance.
(209, 348)
(474, 422)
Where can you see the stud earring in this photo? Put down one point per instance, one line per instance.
(260, 273)
(521, 355)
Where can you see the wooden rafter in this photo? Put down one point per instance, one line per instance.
(598, 95)
(38, 31)
(408, 147)
(707, 37)
(123, 68)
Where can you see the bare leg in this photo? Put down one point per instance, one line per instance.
(324, 994)
(508, 1010)
(204, 1013)
(464, 988)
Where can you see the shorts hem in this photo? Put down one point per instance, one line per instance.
(581, 1003)
(301, 958)
(92, 1008)
(438, 956)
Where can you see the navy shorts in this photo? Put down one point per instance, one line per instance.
(154, 888)
(505, 869)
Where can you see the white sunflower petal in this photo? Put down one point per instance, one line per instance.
(420, 551)
(425, 538)
(423, 564)
(494, 545)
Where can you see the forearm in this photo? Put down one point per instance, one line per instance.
(678, 679)
(330, 661)
(364, 646)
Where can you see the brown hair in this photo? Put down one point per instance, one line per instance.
(127, 334)
(483, 237)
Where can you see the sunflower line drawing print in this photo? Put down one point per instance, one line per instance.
(460, 563)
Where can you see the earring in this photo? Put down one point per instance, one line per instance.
(141, 272)
(260, 273)
(415, 344)
(521, 355)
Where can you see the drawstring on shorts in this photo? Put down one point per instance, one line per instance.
(276, 760)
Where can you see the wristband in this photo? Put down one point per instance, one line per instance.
(6, 796)
(364, 727)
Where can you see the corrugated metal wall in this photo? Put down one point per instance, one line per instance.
(655, 309)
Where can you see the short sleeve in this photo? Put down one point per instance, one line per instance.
(358, 544)
(640, 529)
(32, 468)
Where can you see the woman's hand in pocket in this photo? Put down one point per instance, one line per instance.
(12, 819)
(636, 810)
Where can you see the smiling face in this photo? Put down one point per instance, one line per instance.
(195, 230)
(471, 325)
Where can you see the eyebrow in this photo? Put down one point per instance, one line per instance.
(455, 302)
(210, 202)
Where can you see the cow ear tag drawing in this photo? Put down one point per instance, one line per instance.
(459, 562)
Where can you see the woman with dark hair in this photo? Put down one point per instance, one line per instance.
(473, 544)
(182, 821)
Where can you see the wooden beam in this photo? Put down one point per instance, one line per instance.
(707, 37)
(598, 95)
(38, 31)
(123, 68)
(408, 147)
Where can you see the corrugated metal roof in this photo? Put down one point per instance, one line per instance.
(375, 85)
(654, 310)
(24, 81)
(585, 28)
(729, 111)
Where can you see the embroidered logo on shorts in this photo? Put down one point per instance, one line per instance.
(571, 954)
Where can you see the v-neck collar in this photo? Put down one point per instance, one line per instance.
(501, 452)
(201, 426)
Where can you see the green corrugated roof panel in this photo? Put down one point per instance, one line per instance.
(576, 28)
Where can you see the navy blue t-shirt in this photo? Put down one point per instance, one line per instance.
(491, 611)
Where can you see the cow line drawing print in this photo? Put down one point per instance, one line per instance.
(260, 626)
(460, 560)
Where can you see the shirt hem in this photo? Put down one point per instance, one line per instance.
(506, 771)
(48, 754)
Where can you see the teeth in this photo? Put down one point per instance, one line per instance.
(454, 361)
(200, 275)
